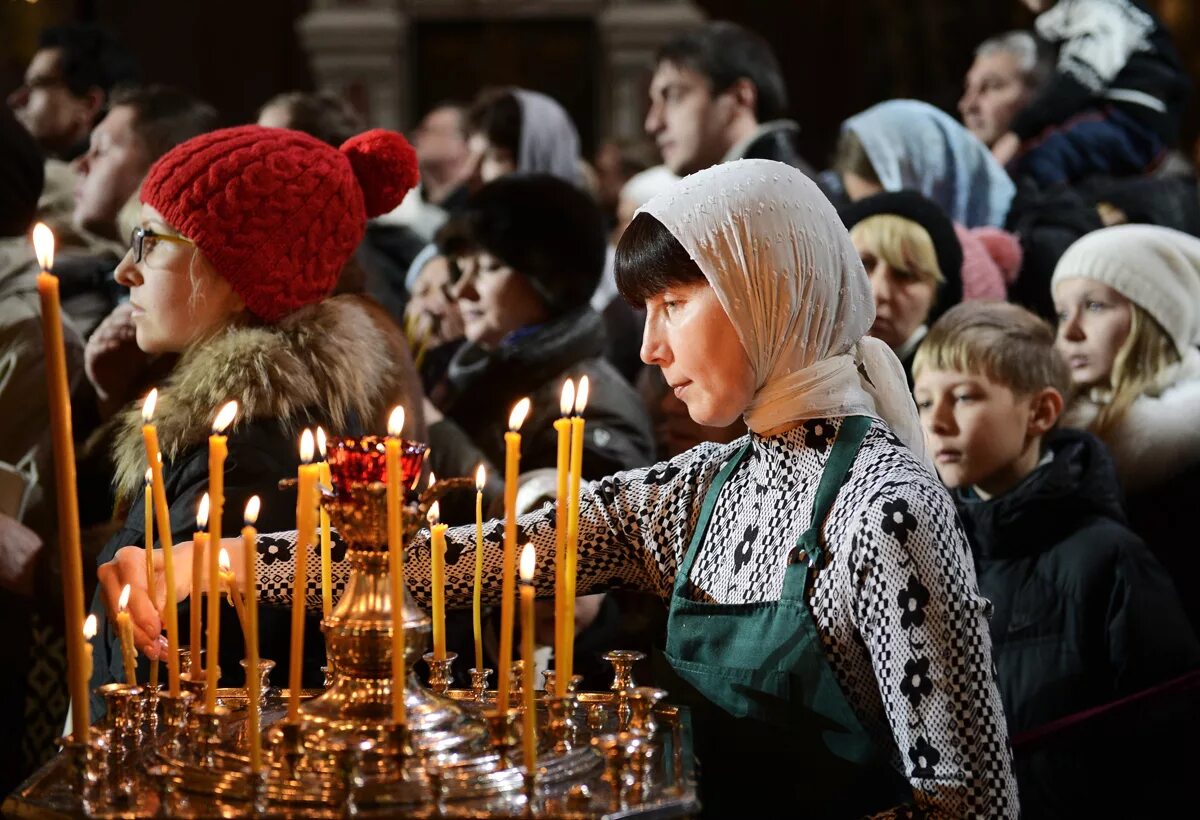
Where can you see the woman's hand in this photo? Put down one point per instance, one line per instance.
(128, 566)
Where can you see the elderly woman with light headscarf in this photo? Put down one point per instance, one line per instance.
(824, 624)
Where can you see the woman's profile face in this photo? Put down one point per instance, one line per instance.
(689, 336)
(902, 299)
(1093, 324)
(176, 295)
(431, 306)
(494, 299)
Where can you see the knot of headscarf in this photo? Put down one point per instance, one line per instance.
(782, 265)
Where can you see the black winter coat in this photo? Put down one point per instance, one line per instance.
(1083, 616)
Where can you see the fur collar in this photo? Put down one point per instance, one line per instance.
(334, 358)
(1159, 436)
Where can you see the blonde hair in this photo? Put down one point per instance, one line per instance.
(900, 242)
(1143, 357)
(1002, 341)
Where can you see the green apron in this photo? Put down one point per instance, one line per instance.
(771, 727)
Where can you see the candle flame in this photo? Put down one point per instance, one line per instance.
(149, 404)
(519, 412)
(321, 442)
(528, 559)
(225, 417)
(435, 513)
(252, 508)
(306, 446)
(89, 628)
(432, 479)
(395, 423)
(223, 560)
(480, 478)
(123, 604)
(149, 476)
(568, 398)
(43, 245)
(202, 513)
(581, 396)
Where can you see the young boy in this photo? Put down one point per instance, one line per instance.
(1114, 102)
(1083, 614)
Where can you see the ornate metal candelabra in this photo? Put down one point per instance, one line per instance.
(600, 753)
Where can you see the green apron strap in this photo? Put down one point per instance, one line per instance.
(809, 549)
(706, 510)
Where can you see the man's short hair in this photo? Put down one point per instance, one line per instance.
(725, 53)
(1033, 59)
(323, 114)
(92, 57)
(496, 114)
(999, 340)
(164, 116)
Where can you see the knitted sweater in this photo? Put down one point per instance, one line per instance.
(896, 605)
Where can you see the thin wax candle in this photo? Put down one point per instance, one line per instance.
(562, 426)
(163, 517)
(148, 525)
(254, 683)
(199, 544)
(326, 479)
(508, 591)
(306, 528)
(581, 397)
(528, 559)
(477, 598)
(437, 546)
(396, 561)
(217, 451)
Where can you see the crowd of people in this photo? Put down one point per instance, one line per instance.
(898, 456)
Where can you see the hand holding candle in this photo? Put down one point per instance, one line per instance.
(199, 542)
(528, 559)
(512, 471)
(125, 633)
(170, 609)
(563, 427)
(437, 546)
(396, 561)
(253, 707)
(477, 600)
(217, 451)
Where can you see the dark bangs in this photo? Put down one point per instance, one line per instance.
(650, 259)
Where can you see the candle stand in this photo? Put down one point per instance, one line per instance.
(621, 752)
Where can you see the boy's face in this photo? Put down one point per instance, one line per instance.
(980, 433)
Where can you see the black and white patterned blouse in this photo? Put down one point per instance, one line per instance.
(900, 617)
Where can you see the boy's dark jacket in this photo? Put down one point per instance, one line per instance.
(1083, 616)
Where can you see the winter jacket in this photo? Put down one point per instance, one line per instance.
(340, 364)
(482, 386)
(1083, 616)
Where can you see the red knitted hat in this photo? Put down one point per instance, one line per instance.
(278, 212)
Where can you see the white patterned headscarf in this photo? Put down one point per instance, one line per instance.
(783, 267)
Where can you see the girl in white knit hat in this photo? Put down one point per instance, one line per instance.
(1128, 301)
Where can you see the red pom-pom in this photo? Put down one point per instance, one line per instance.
(385, 166)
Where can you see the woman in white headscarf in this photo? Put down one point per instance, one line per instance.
(825, 625)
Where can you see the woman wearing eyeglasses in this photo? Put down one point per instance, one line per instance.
(242, 236)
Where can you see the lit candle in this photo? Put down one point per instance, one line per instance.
(170, 609)
(217, 450)
(199, 542)
(326, 534)
(249, 546)
(148, 526)
(563, 426)
(396, 561)
(89, 632)
(231, 591)
(477, 600)
(125, 633)
(581, 397)
(508, 591)
(306, 528)
(527, 645)
(70, 553)
(437, 546)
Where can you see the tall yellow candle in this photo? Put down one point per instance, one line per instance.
(528, 559)
(254, 718)
(563, 427)
(437, 548)
(581, 397)
(229, 588)
(148, 527)
(326, 477)
(217, 451)
(508, 591)
(163, 516)
(125, 635)
(89, 632)
(477, 599)
(396, 562)
(306, 530)
(70, 552)
(199, 545)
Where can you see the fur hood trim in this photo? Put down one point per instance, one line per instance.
(1159, 436)
(331, 359)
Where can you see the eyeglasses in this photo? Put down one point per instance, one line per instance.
(142, 241)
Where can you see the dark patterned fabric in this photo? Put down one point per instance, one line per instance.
(903, 625)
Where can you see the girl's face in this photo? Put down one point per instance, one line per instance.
(902, 299)
(1093, 324)
(431, 305)
(176, 295)
(689, 336)
(494, 299)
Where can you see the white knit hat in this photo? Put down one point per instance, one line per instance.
(1156, 268)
